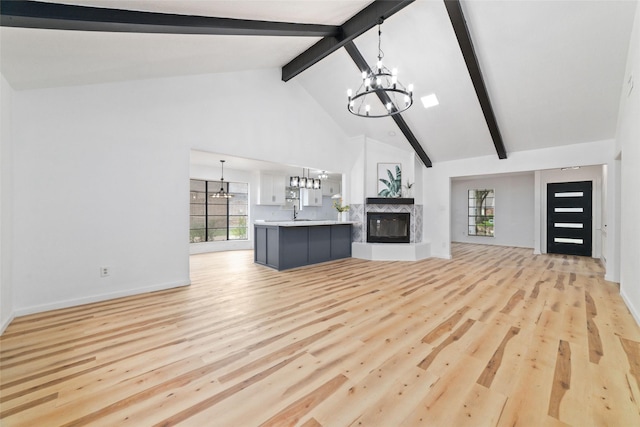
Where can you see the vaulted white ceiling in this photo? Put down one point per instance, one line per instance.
(553, 69)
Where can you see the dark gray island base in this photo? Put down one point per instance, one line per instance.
(284, 245)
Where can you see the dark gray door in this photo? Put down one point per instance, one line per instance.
(569, 218)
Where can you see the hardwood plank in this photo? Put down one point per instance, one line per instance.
(595, 344)
(481, 407)
(455, 336)
(445, 326)
(561, 379)
(632, 350)
(292, 413)
(489, 373)
(493, 336)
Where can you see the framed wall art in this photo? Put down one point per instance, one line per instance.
(389, 180)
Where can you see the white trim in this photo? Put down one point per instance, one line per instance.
(4, 326)
(98, 298)
(630, 306)
(221, 246)
(391, 251)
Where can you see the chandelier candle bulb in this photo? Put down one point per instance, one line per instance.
(380, 94)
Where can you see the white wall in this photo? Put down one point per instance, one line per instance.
(436, 188)
(628, 143)
(101, 174)
(353, 191)
(6, 208)
(514, 216)
(378, 152)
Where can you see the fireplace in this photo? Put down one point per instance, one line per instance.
(388, 227)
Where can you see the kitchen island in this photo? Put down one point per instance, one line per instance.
(289, 244)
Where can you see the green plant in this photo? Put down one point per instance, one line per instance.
(339, 207)
(393, 184)
(408, 188)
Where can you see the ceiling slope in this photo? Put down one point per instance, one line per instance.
(553, 69)
(363, 21)
(53, 16)
(466, 46)
(357, 57)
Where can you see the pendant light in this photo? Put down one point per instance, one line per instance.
(222, 193)
(305, 181)
(379, 83)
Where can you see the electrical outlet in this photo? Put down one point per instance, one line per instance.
(104, 271)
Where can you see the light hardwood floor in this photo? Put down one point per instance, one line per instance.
(494, 337)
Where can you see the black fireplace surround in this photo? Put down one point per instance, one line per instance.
(388, 227)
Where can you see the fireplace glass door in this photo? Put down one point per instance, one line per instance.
(388, 227)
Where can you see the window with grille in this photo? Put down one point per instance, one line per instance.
(482, 206)
(217, 219)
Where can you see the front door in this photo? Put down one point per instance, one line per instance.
(569, 218)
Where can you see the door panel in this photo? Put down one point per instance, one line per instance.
(569, 218)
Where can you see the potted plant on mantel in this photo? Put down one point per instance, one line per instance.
(343, 210)
(408, 189)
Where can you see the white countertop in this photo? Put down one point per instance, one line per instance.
(301, 223)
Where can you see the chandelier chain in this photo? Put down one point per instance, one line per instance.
(380, 93)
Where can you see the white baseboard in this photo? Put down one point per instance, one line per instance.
(6, 323)
(611, 277)
(630, 306)
(98, 298)
(442, 255)
(222, 246)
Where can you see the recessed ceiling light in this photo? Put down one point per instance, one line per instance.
(429, 100)
(392, 133)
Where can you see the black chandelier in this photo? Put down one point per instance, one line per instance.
(382, 84)
(222, 193)
(305, 182)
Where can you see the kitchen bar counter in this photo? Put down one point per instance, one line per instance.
(289, 244)
(302, 222)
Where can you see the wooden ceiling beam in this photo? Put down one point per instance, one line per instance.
(35, 14)
(363, 21)
(454, 9)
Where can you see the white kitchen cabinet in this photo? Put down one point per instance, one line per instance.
(330, 187)
(311, 197)
(271, 190)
